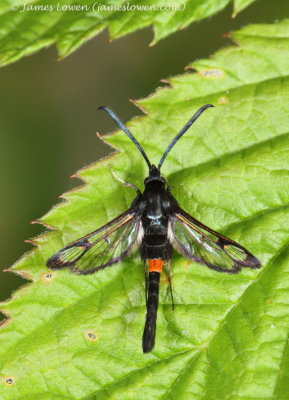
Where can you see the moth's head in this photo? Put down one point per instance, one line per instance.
(154, 176)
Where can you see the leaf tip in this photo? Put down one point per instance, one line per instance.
(36, 221)
(31, 241)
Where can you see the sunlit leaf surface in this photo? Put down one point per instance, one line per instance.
(79, 337)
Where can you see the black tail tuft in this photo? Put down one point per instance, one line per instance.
(149, 333)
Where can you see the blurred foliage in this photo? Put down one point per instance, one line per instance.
(27, 26)
(228, 335)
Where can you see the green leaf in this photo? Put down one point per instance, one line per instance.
(79, 337)
(29, 25)
(239, 5)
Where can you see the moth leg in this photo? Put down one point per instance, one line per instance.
(168, 271)
(124, 182)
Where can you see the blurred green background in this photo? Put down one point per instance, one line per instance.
(48, 112)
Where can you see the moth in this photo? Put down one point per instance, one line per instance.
(155, 224)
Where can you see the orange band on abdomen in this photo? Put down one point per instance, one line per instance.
(156, 265)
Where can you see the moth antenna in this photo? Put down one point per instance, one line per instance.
(121, 125)
(182, 132)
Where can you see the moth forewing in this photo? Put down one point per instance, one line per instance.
(200, 243)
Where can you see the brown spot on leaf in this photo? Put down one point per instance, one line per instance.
(48, 277)
(187, 263)
(91, 335)
(9, 380)
(212, 73)
(223, 100)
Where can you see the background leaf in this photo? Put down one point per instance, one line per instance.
(26, 26)
(239, 5)
(72, 337)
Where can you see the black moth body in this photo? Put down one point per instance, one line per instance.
(155, 224)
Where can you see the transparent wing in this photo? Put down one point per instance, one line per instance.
(199, 243)
(101, 248)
